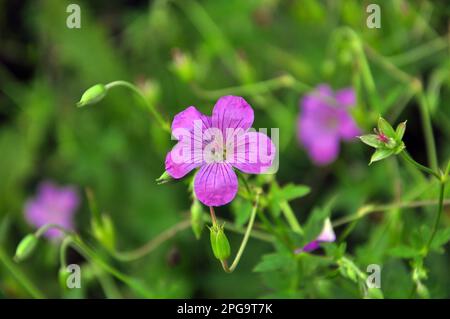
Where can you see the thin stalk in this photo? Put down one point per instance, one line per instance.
(164, 125)
(370, 209)
(244, 240)
(405, 155)
(438, 215)
(428, 130)
(23, 280)
(152, 244)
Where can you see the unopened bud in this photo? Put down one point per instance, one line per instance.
(92, 95)
(197, 222)
(25, 247)
(104, 231)
(219, 242)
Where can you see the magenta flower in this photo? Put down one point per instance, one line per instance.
(52, 205)
(324, 121)
(326, 236)
(216, 145)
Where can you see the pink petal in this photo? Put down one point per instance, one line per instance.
(348, 128)
(232, 112)
(346, 97)
(216, 184)
(324, 150)
(327, 234)
(182, 159)
(252, 152)
(186, 121)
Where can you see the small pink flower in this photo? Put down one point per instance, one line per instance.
(52, 205)
(326, 236)
(325, 120)
(216, 145)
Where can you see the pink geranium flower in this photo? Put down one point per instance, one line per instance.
(324, 121)
(216, 145)
(326, 236)
(52, 205)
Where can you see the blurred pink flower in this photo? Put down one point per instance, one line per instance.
(326, 236)
(216, 144)
(52, 205)
(324, 121)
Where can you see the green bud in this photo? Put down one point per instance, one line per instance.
(164, 178)
(63, 274)
(92, 95)
(104, 231)
(25, 247)
(219, 242)
(183, 66)
(197, 222)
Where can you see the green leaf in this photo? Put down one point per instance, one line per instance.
(241, 210)
(441, 238)
(290, 192)
(315, 223)
(403, 251)
(276, 261)
(371, 140)
(386, 128)
(380, 154)
(400, 131)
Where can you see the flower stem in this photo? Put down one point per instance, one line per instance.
(20, 276)
(405, 155)
(152, 244)
(244, 240)
(370, 209)
(164, 125)
(428, 130)
(438, 214)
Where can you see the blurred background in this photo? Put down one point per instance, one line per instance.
(183, 53)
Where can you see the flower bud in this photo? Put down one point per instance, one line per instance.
(104, 231)
(25, 247)
(63, 274)
(183, 65)
(219, 242)
(92, 95)
(197, 222)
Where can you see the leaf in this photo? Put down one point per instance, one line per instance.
(441, 238)
(371, 140)
(315, 223)
(276, 261)
(380, 154)
(241, 210)
(400, 131)
(290, 192)
(386, 128)
(403, 251)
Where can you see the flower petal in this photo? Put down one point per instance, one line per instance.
(324, 149)
(327, 234)
(216, 184)
(184, 122)
(252, 152)
(346, 97)
(232, 112)
(348, 129)
(183, 158)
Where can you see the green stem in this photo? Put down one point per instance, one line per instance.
(438, 215)
(244, 240)
(428, 130)
(405, 155)
(164, 125)
(370, 209)
(283, 81)
(152, 244)
(20, 276)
